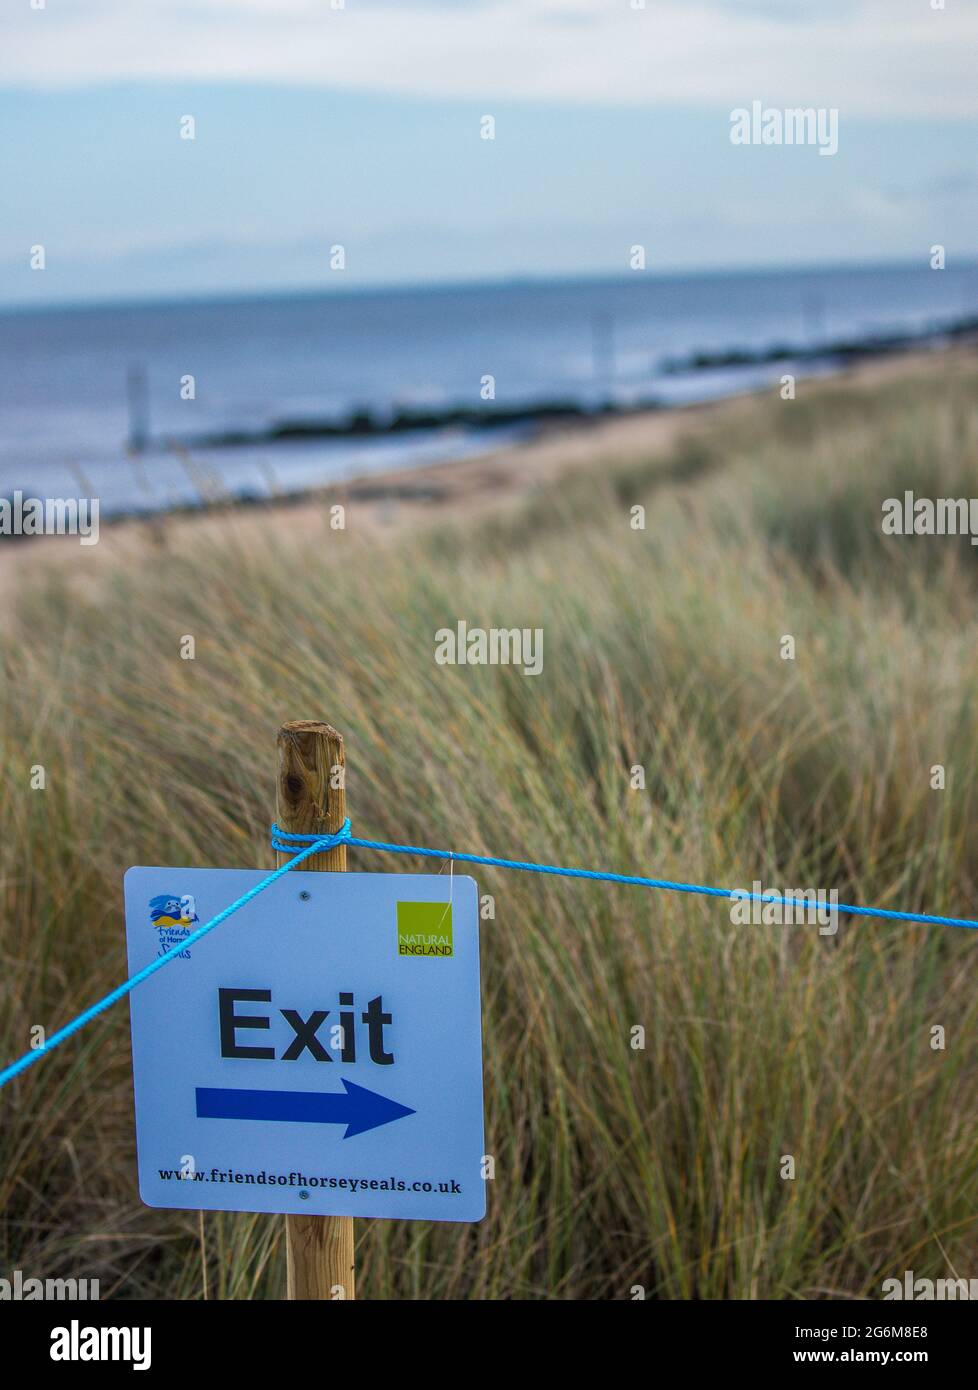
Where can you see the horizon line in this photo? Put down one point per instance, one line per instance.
(506, 281)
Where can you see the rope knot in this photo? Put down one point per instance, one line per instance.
(287, 843)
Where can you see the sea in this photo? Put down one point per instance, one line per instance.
(152, 406)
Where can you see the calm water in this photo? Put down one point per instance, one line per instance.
(64, 418)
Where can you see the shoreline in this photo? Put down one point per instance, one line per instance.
(449, 490)
(365, 423)
(385, 502)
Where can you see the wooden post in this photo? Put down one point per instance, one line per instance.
(318, 1249)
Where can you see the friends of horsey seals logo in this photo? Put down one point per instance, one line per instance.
(174, 916)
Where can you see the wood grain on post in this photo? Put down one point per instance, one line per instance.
(318, 1249)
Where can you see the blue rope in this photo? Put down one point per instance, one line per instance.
(302, 847)
(286, 843)
(29, 1058)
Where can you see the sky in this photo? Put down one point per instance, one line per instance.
(320, 123)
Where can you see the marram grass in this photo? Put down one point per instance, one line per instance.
(615, 1167)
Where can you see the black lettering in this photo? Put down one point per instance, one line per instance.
(375, 1019)
(230, 1022)
(305, 1035)
(347, 1023)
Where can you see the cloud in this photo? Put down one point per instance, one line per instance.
(790, 11)
(891, 58)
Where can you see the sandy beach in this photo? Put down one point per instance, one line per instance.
(383, 503)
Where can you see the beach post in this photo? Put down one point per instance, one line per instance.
(311, 799)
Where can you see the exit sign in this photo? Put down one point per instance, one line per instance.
(319, 1053)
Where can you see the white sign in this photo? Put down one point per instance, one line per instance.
(319, 1053)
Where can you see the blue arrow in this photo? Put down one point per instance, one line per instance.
(359, 1109)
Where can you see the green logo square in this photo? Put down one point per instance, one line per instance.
(424, 929)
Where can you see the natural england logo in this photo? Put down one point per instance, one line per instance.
(173, 915)
(495, 646)
(50, 516)
(794, 125)
(424, 929)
